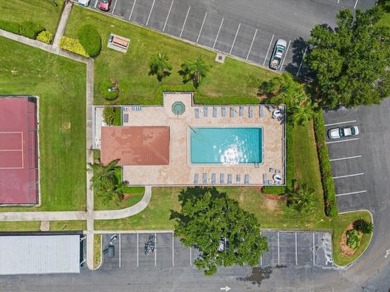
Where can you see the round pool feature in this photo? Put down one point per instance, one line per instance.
(178, 108)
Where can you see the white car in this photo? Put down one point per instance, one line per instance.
(342, 132)
(277, 54)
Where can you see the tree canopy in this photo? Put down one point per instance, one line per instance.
(159, 65)
(208, 219)
(194, 70)
(349, 62)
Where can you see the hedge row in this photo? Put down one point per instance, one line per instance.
(90, 39)
(290, 162)
(72, 45)
(28, 29)
(325, 166)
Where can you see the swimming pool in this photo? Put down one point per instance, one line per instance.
(226, 145)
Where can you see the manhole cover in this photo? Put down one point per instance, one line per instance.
(178, 108)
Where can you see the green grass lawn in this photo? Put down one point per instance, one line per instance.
(43, 12)
(232, 82)
(60, 85)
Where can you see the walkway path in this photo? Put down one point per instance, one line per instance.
(90, 215)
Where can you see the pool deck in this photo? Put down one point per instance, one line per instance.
(180, 171)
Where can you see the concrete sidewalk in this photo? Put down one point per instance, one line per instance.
(61, 26)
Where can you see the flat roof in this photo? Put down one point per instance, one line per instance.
(18, 150)
(39, 254)
(135, 145)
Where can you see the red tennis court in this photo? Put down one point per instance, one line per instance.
(18, 150)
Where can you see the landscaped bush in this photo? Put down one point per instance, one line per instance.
(363, 226)
(109, 89)
(325, 166)
(90, 39)
(10, 26)
(30, 29)
(277, 190)
(45, 37)
(353, 240)
(112, 116)
(72, 45)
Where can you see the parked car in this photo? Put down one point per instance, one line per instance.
(84, 2)
(341, 132)
(277, 54)
(104, 5)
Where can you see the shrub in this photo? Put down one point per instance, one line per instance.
(353, 240)
(90, 39)
(30, 29)
(10, 26)
(363, 226)
(277, 190)
(290, 162)
(45, 37)
(325, 166)
(112, 116)
(109, 90)
(72, 45)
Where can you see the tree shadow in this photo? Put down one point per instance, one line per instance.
(297, 67)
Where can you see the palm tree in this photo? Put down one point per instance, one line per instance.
(303, 113)
(194, 70)
(302, 199)
(159, 65)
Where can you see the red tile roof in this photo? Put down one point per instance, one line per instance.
(135, 145)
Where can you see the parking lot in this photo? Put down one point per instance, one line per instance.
(347, 160)
(286, 248)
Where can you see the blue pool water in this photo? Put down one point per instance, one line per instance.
(226, 145)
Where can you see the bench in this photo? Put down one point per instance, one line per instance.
(119, 42)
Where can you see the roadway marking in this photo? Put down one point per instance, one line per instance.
(201, 28)
(354, 7)
(96, 3)
(296, 249)
(261, 260)
(351, 193)
(250, 48)
(155, 249)
(173, 250)
(346, 158)
(278, 250)
(112, 12)
(342, 141)
(120, 250)
(216, 38)
(285, 55)
(166, 20)
(348, 175)
(300, 65)
(190, 256)
(339, 123)
(150, 13)
(137, 249)
(132, 9)
(314, 254)
(234, 40)
(185, 21)
(269, 47)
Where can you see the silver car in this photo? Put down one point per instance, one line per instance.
(341, 132)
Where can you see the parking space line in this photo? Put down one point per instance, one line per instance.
(201, 28)
(285, 55)
(269, 47)
(345, 158)
(185, 20)
(250, 48)
(216, 38)
(150, 13)
(351, 193)
(173, 250)
(303, 58)
(314, 254)
(235, 37)
(354, 7)
(120, 250)
(342, 141)
(137, 249)
(190, 256)
(113, 9)
(169, 12)
(261, 260)
(348, 175)
(131, 13)
(278, 250)
(340, 123)
(296, 249)
(155, 249)
(96, 3)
